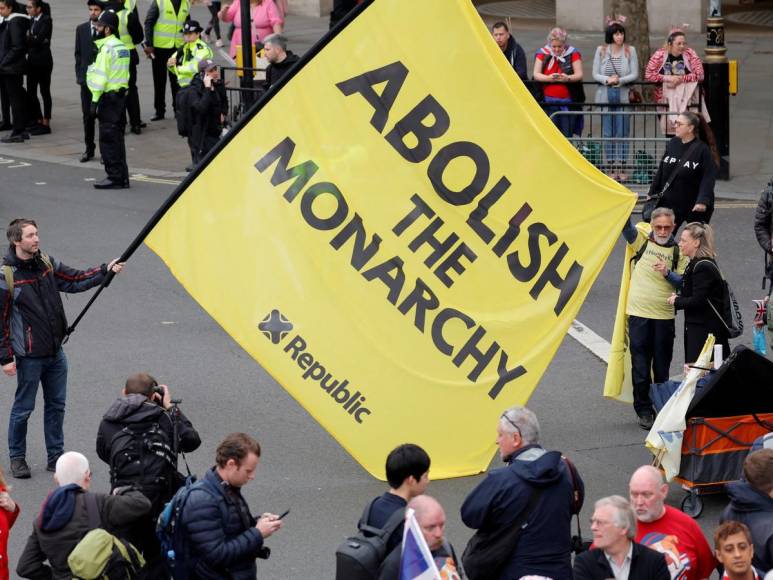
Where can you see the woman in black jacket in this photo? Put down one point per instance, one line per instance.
(686, 175)
(702, 292)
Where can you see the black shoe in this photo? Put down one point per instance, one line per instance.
(40, 130)
(189, 168)
(51, 465)
(87, 156)
(25, 135)
(646, 421)
(20, 469)
(108, 183)
(157, 117)
(13, 138)
(142, 124)
(5, 126)
(136, 129)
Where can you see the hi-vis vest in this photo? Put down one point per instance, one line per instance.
(167, 32)
(110, 70)
(192, 54)
(123, 25)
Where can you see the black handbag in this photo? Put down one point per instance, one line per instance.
(488, 552)
(651, 203)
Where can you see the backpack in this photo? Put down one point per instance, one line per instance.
(101, 555)
(171, 534)
(729, 313)
(360, 556)
(183, 110)
(142, 455)
(8, 273)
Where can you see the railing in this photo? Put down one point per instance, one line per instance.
(631, 159)
(241, 98)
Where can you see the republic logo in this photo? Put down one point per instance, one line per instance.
(275, 326)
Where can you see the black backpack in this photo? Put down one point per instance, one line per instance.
(142, 455)
(360, 556)
(183, 110)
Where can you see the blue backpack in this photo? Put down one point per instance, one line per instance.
(170, 531)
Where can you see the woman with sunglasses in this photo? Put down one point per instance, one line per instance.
(702, 292)
(686, 175)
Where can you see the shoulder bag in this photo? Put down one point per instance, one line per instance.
(651, 203)
(487, 553)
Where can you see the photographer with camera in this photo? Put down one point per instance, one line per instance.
(140, 437)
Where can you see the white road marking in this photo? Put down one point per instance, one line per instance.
(20, 164)
(89, 179)
(145, 178)
(590, 340)
(40, 183)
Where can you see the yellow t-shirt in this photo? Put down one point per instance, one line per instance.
(649, 291)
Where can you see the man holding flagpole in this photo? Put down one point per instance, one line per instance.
(425, 524)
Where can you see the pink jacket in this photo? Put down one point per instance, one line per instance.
(264, 17)
(692, 63)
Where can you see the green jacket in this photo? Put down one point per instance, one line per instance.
(188, 58)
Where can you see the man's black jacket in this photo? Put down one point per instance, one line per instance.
(13, 44)
(646, 564)
(34, 324)
(206, 108)
(85, 51)
(135, 409)
(763, 225)
(276, 70)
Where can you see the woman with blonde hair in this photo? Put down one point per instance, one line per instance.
(702, 292)
(9, 511)
(558, 65)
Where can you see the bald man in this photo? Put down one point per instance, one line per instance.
(667, 529)
(432, 520)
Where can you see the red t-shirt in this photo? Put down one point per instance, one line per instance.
(676, 535)
(557, 90)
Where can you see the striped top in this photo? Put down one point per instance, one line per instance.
(614, 65)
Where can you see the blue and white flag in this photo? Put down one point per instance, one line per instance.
(416, 562)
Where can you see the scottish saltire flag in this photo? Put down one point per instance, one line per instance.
(416, 562)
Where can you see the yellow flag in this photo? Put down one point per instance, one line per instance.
(398, 234)
(617, 383)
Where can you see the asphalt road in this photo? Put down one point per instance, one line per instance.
(146, 321)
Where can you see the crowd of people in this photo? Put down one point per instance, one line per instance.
(106, 60)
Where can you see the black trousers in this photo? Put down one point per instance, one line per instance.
(112, 121)
(214, 20)
(39, 77)
(652, 348)
(88, 121)
(5, 104)
(132, 96)
(14, 88)
(160, 72)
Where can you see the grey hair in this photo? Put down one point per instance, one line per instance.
(525, 420)
(663, 211)
(558, 33)
(276, 39)
(72, 467)
(624, 516)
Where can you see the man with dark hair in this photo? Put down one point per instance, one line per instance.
(13, 62)
(512, 50)
(33, 328)
(751, 503)
(537, 485)
(85, 53)
(222, 538)
(144, 417)
(407, 472)
(280, 60)
(734, 549)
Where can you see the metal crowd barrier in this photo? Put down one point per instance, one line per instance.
(241, 98)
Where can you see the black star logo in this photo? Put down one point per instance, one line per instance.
(275, 326)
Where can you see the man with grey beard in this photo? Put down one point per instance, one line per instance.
(656, 270)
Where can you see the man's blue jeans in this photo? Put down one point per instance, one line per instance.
(51, 372)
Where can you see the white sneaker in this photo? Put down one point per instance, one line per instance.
(219, 43)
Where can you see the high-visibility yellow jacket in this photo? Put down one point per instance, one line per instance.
(188, 62)
(110, 70)
(167, 31)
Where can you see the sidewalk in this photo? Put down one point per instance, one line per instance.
(160, 152)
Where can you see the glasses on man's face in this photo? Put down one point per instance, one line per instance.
(509, 420)
(662, 227)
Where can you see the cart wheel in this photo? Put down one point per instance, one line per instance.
(692, 505)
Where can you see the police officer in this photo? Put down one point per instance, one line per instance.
(130, 33)
(163, 36)
(108, 80)
(185, 63)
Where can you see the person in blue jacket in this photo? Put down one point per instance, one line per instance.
(544, 544)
